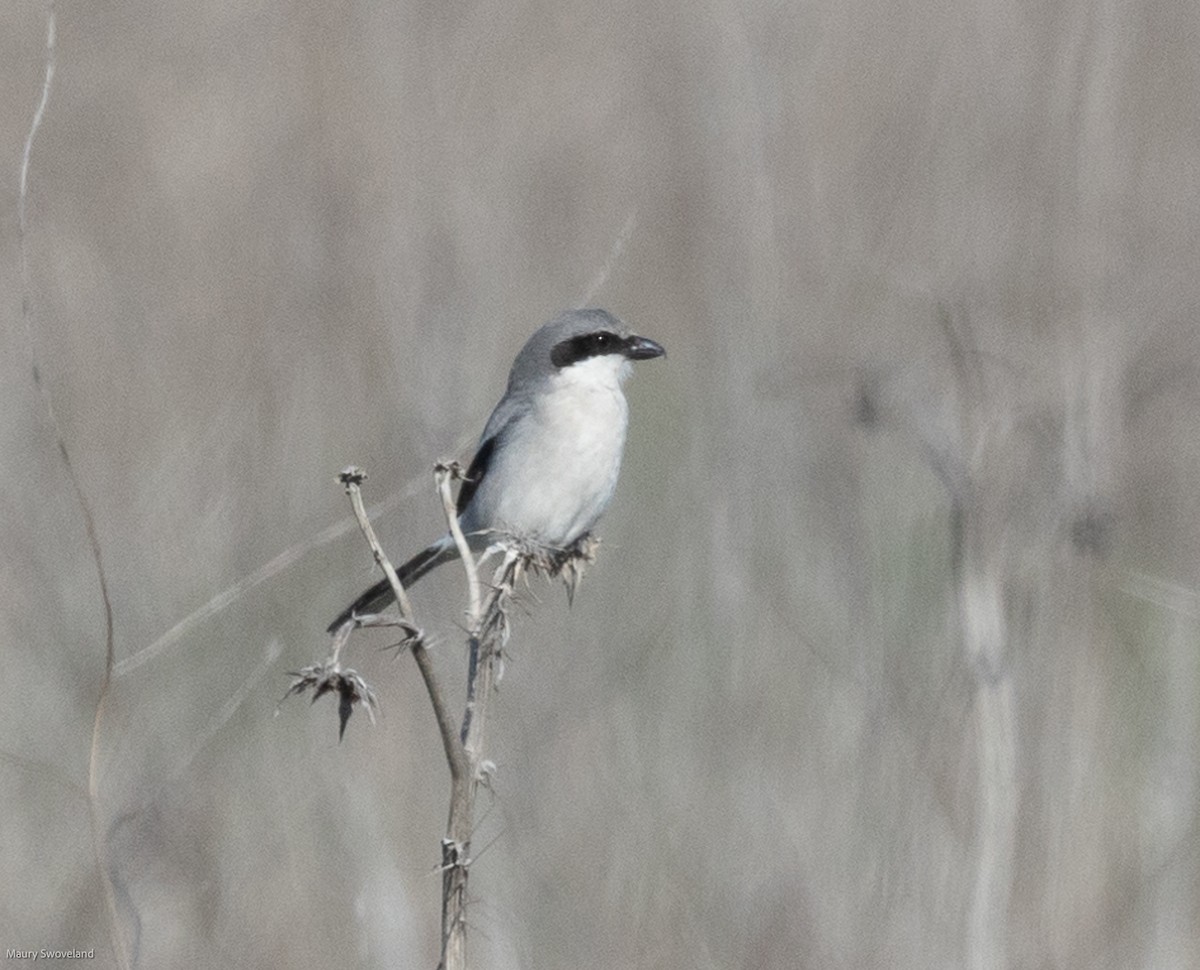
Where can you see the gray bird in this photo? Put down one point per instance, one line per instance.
(548, 460)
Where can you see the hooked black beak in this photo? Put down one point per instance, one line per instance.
(643, 348)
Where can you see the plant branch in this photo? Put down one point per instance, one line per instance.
(487, 635)
(444, 473)
(352, 478)
(457, 842)
(119, 944)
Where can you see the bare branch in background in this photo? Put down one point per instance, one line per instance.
(977, 563)
(121, 948)
(978, 574)
(614, 256)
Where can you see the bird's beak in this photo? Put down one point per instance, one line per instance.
(643, 348)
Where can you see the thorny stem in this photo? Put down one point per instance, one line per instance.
(463, 761)
(352, 479)
(444, 473)
(456, 845)
(487, 632)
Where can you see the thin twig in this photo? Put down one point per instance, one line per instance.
(27, 154)
(353, 478)
(614, 255)
(444, 474)
(489, 630)
(457, 842)
(456, 758)
(93, 787)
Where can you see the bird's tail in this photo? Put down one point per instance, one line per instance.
(380, 595)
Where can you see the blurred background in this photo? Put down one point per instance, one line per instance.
(890, 655)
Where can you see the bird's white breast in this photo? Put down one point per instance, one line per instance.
(558, 465)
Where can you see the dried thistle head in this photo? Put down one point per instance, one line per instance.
(530, 556)
(329, 677)
(576, 561)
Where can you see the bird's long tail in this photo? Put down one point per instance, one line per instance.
(380, 595)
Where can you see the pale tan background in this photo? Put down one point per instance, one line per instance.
(928, 275)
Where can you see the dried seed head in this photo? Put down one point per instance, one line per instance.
(327, 678)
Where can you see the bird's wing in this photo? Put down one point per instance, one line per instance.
(479, 467)
(505, 413)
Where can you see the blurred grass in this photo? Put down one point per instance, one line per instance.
(270, 240)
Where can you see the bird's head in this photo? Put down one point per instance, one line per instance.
(590, 340)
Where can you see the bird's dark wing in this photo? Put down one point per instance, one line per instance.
(479, 467)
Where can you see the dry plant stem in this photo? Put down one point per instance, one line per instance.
(456, 844)
(483, 632)
(487, 631)
(444, 474)
(484, 636)
(117, 938)
(455, 757)
(463, 767)
(352, 478)
(464, 745)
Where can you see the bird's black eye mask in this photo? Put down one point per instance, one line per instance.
(586, 345)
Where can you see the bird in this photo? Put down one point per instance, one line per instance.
(547, 462)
